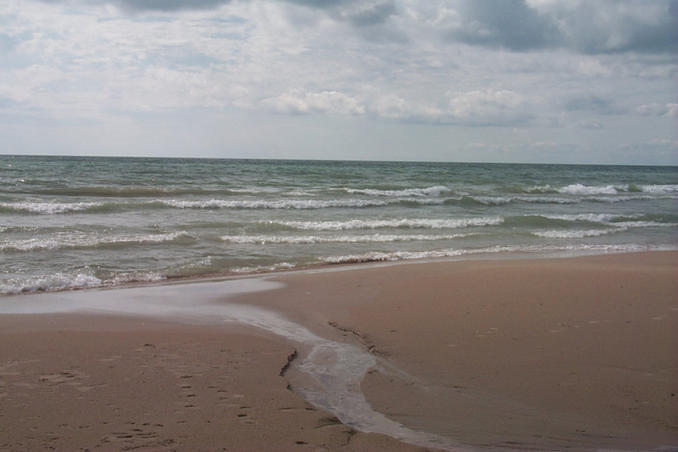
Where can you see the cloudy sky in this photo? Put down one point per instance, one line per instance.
(440, 80)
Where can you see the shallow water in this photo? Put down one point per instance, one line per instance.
(332, 370)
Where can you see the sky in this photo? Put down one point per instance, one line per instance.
(542, 81)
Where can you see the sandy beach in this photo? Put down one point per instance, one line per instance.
(541, 354)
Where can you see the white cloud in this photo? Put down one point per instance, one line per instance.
(377, 62)
(658, 109)
(488, 106)
(299, 102)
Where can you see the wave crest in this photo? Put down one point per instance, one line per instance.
(413, 223)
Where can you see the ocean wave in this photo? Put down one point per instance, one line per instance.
(494, 200)
(487, 200)
(583, 189)
(580, 189)
(134, 277)
(376, 256)
(264, 268)
(125, 192)
(436, 190)
(51, 282)
(310, 239)
(643, 224)
(273, 204)
(413, 223)
(80, 240)
(539, 189)
(659, 188)
(48, 208)
(618, 198)
(610, 189)
(592, 217)
(71, 281)
(560, 234)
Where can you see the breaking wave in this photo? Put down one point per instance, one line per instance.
(311, 239)
(71, 281)
(79, 240)
(436, 190)
(413, 223)
(500, 249)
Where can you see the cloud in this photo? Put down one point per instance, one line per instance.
(608, 26)
(356, 12)
(300, 102)
(592, 103)
(590, 124)
(599, 27)
(6, 43)
(510, 24)
(472, 108)
(488, 107)
(656, 109)
(157, 5)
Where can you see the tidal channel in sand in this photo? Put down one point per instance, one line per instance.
(332, 371)
(542, 354)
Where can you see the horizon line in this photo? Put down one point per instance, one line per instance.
(330, 160)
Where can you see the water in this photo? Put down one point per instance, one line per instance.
(72, 222)
(330, 371)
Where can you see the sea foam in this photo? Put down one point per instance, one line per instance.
(82, 240)
(312, 239)
(375, 223)
(436, 190)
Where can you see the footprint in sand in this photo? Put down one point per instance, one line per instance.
(243, 415)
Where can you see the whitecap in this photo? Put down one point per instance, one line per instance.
(577, 234)
(311, 239)
(436, 190)
(52, 282)
(48, 208)
(81, 240)
(659, 188)
(580, 189)
(414, 223)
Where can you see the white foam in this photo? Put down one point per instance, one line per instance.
(49, 208)
(560, 234)
(436, 190)
(503, 200)
(659, 189)
(52, 282)
(619, 198)
(541, 189)
(580, 189)
(82, 240)
(291, 203)
(130, 277)
(264, 268)
(644, 224)
(498, 249)
(423, 223)
(272, 204)
(311, 239)
(591, 217)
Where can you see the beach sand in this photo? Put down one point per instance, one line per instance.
(544, 354)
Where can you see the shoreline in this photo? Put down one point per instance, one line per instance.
(437, 360)
(348, 266)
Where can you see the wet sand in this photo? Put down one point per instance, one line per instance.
(555, 354)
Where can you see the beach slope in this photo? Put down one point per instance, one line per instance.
(577, 353)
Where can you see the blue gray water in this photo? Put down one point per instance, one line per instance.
(71, 222)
